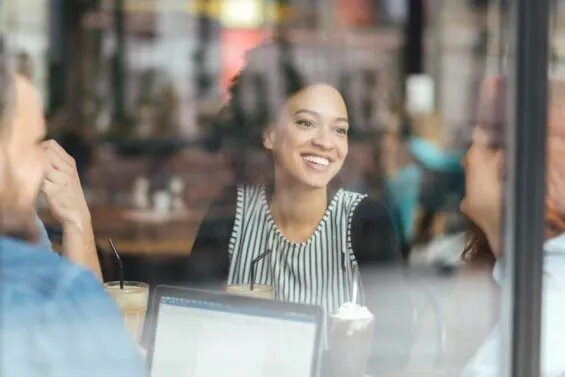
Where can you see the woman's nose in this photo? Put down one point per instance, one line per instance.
(322, 140)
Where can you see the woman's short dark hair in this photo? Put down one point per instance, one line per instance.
(257, 94)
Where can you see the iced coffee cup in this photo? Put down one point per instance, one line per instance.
(350, 340)
(258, 291)
(132, 301)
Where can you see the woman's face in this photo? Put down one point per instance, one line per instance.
(483, 181)
(309, 139)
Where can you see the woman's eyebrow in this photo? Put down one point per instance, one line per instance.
(317, 115)
(306, 111)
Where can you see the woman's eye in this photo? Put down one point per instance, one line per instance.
(341, 131)
(305, 123)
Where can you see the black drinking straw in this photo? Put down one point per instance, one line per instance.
(120, 264)
(253, 263)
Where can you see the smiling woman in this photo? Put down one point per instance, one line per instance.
(317, 233)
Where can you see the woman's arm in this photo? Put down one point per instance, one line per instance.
(208, 264)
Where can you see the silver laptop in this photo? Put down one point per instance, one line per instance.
(194, 333)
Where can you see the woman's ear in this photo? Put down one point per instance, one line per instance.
(268, 136)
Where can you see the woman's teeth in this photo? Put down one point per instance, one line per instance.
(317, 160)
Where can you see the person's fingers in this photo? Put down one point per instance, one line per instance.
(49, 188)
(61, 152)
(56, 176)
(58, 151)
(57, 161)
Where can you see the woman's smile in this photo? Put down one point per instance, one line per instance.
(317, 163)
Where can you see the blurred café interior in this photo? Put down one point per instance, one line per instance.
(134, 101)
(132, 88)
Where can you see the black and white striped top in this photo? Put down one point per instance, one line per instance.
(354, 230)
(318, 271)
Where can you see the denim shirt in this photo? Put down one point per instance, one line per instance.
(57, 320)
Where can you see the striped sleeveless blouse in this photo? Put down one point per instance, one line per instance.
(319, 271)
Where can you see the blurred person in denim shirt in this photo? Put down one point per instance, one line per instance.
(55, 317)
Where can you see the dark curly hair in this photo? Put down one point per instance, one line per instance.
(271, 76)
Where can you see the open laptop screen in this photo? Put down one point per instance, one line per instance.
(195, 338)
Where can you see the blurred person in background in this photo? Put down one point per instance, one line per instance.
(442, 179)
(403, 180)
(318, 233)
(484, 169)
(56, 317)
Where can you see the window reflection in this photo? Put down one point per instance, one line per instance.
(313, 154)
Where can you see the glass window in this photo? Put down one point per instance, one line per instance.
(298, 187)
(28, 35)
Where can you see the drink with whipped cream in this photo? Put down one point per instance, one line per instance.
(350, 339)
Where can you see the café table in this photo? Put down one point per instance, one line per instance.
(141, 232)
(153, 247)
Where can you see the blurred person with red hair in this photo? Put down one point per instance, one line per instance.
(485, 179)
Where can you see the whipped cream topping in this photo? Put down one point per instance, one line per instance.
(352, 311)
(357, 317)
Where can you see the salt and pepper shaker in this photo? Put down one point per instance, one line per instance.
(177, 187)
(141, 193)
(162, 202)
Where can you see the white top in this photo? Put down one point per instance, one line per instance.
(318, 271)
(486, 361)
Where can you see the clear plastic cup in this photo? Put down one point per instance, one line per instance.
(132, 301)
(350, 342)
(259, 290)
